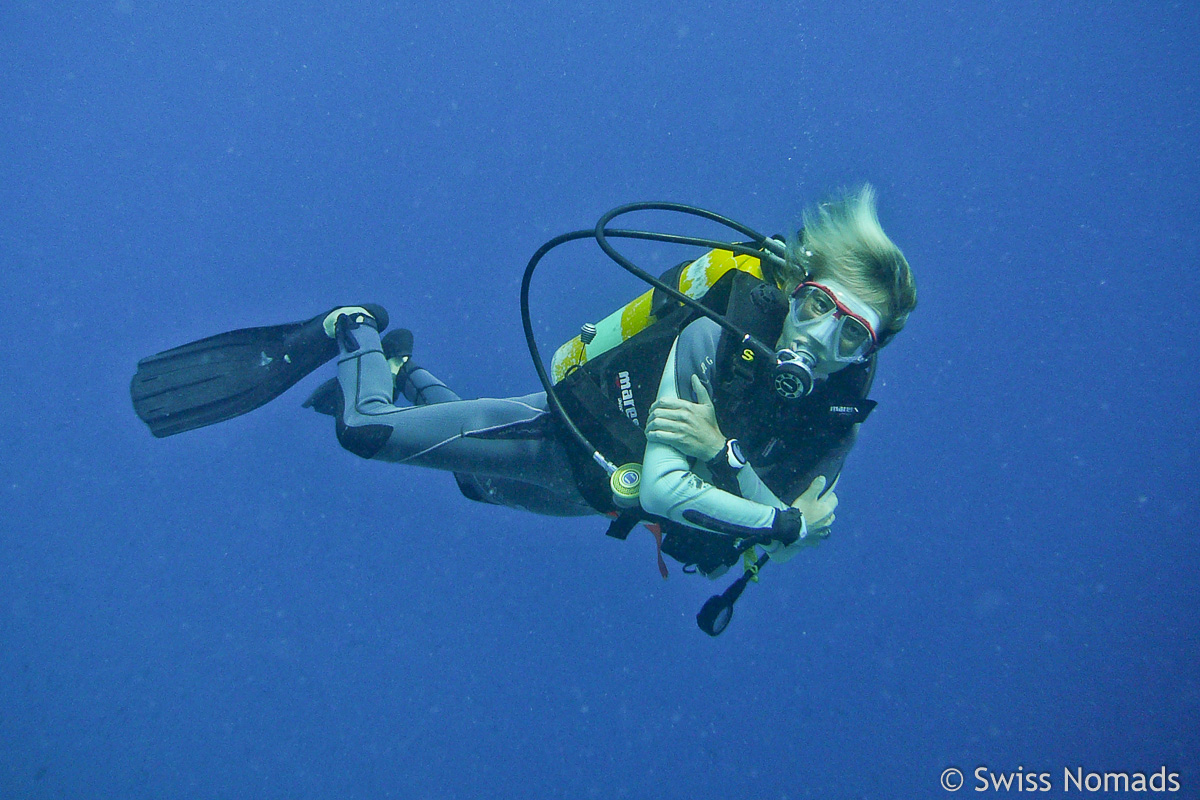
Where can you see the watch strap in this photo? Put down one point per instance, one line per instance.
(724, 476)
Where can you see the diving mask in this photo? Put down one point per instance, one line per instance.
(827, 334)
(835, 330)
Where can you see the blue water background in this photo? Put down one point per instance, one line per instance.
(249, 611)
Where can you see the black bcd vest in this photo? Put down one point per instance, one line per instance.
(609, 398)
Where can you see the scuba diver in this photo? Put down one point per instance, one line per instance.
(730, 394)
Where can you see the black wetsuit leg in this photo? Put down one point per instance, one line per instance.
(505, 449)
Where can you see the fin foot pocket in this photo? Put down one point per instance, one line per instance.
(230, 374)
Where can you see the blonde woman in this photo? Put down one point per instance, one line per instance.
(723, 456)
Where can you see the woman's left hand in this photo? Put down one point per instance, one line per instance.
(691, 428)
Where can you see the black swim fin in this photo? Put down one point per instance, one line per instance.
(327, 398)
(230, 374)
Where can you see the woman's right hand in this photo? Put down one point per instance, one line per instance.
(817, 509)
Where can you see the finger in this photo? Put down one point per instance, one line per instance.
(702, 396)
(671, 412)
(814, 488)
(823, 522)
(822, 508)
(667, 426)
(824, 527)
(679, 443)
(655, 424)
(677, 414)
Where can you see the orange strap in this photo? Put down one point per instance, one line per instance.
(656, 529)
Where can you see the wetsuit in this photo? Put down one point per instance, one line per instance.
(502, 451)
(507, 451)
(673, 484)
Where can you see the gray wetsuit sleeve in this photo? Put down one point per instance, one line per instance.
(696, 353)
(670, 483)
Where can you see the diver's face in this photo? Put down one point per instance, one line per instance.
(831, 323)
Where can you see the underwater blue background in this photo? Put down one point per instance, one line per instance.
(250, 611)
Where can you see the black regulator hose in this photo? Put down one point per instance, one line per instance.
(531, 342)
(716, 614)
(760, 243)
(600, 233)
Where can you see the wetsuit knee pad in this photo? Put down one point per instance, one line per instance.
(472, 488)
(363, 440)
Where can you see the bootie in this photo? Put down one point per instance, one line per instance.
(397, 348)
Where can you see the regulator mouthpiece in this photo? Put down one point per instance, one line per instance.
(794, 373)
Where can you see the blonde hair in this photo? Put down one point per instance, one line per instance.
(842, 239)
